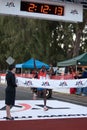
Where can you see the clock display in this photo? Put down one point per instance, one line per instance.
(42, 8)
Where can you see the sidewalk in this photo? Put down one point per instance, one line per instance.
(73, 98)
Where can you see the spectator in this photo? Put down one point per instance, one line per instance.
(51, 71)
(10, 91)
(78, 76)
(84, 75)
(82, 91)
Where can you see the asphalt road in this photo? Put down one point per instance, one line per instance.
(23, 93)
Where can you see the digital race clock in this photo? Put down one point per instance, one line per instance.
(42, 8)
(55, 10)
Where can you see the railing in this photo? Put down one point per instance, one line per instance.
(59, 77)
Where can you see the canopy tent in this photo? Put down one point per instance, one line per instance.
(19, 65)
(79, 60)
(31, 64)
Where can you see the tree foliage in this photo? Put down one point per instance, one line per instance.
(48, 41)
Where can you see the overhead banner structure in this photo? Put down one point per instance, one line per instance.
(50, 10)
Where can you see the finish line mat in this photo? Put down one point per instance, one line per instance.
(33, 110)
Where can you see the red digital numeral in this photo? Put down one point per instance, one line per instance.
(45, 9)
(59, 11)
(31, 7)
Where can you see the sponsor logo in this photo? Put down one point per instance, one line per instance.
(45, 83)
(81, 84)
(25, 106)
(34, 110)
(74, 11)
(64, 115)
(63, 84)
(10, 4)
(28, 83)
(78, 83)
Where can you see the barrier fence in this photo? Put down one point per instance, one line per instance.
(48, 83)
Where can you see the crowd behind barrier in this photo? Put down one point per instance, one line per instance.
(59, 77)
(66, 76)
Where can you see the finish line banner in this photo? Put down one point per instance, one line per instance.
(51, 84)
